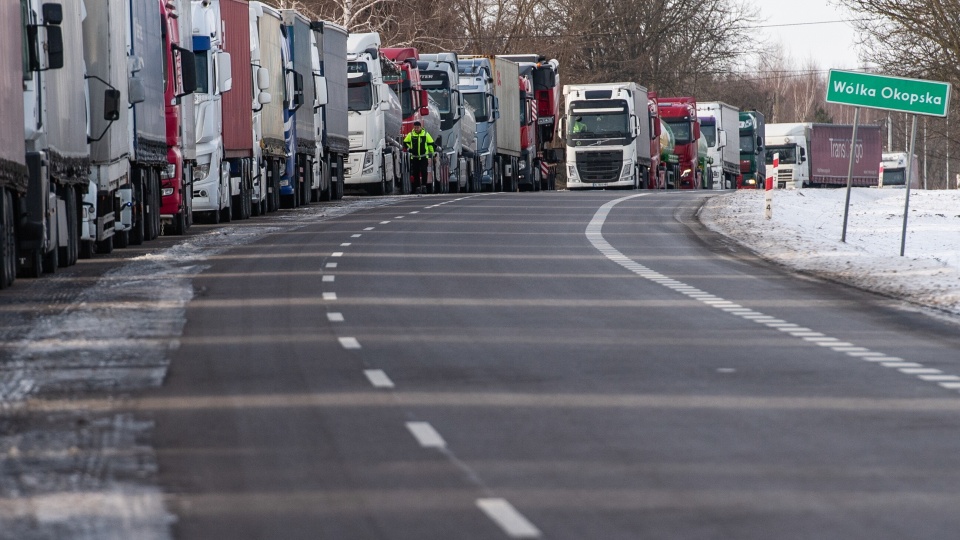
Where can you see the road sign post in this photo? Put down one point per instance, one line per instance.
(912, 96)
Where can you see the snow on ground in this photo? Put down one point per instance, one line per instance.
(805, 232)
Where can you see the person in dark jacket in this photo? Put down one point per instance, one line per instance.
(421, 147)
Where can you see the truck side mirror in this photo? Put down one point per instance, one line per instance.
(111, 105)
(297, 90)
(52, 13)
(424, 99)
(135, 91)
(263, 78)
(264, 97)
(759, 145)
(496, 108)
(722, 139)
(54, 47)
(224, 72)
(803, 155)
(320, 85)
(438, 141)
(424, 111)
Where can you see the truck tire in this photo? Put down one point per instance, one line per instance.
(8, 239)
(105, 247)
(69, 253)
(51, 259)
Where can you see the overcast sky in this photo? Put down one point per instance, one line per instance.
(832, 45)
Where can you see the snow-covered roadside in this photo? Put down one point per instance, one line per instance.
(805, 231)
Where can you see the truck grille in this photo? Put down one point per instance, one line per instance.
(784, 175)
(599, 167)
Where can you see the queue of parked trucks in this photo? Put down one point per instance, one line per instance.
(141, 116)
(620, 135)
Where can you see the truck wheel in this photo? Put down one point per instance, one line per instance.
(178, 226)
(118, 240)
(67, 254)
(8, 246)
(35, 269)
(106, 246)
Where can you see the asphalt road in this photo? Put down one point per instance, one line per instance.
(549, 365)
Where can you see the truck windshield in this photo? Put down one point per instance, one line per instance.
(788, 154)
(203, 79)
(746, 144)
(896, 177)
(709, 132)
(681, 130)
(442, 96)
(478, 101)
(359, 96)
(599, 119)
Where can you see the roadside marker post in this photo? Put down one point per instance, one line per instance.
(912, 96)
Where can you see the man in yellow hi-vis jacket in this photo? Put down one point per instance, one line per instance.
(420, 145)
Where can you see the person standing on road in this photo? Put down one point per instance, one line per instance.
(420, 145)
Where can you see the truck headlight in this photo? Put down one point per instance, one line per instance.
(626, 171)
(169, 172)
(522, 166)
(368, 159)
(572, 172)
(167, 191)
(201, 171)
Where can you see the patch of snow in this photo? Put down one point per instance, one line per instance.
(805, 232)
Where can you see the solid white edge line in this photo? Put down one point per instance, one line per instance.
(378, 378)
(595, 236)
(508, 518)
(426, 436)
(334, 316)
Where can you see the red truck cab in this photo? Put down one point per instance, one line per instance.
(413, 98)
(179, 77)
(680, 113)
(528, 131)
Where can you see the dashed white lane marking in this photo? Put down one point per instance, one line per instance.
(378, 378)
(328, 279)
(398, 217)
(345, 244)
(333, 316)
(595, 236)
(331, 265)
(329, 296)
(337, 254)
(426, 435)
(415, 212)
(355, 235)
(384, 222)
(349, 343)
(370, 228)
(508, 518)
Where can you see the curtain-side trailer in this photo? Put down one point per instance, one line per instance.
(13, 165)
(303, 148)
(239, 105)
(148, 128)
(335, 136)
(107, 209)
(273, 143)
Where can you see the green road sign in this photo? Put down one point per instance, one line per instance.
(914, 96)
